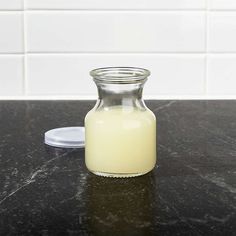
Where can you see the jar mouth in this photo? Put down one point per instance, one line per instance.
(120, 75)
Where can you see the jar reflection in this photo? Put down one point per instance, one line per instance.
(120, 206)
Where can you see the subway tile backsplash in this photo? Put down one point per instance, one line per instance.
(222, 31)
(11, 75)
(222, 75)
(115, 32)
(11, 4)
(11, 32)
(221, 4)
(48, 47)
(68, 74)
(116, 4)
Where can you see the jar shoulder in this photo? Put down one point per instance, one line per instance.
(151, 113)
(89, 114)
(120, 114)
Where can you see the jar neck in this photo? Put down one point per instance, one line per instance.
(120, 95)
(120, 86)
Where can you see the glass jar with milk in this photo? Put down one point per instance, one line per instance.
(120, 131)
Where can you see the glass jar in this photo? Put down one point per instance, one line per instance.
(120, 131)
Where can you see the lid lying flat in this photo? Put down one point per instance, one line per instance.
(66, 137)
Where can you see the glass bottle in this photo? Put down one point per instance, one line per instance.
(120, 131)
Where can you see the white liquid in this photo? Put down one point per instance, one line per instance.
(120, 141)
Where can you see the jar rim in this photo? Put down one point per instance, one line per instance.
(120, 75)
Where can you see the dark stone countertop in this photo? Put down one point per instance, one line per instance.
(48, 191)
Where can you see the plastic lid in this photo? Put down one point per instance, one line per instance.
(66, 137)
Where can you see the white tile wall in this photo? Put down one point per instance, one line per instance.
(47, 47)
(11, 32)
(222, 31)
(115, 4)
(11, 75)
(222, 4)
(222, 75)
(68, 74)
(115, 32)
(11, 4)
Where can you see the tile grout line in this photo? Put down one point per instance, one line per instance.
(127, 9)
(24, 41)
(115, 52)
(115, 10)
(118, 53)
(10, 10)
(206, 42)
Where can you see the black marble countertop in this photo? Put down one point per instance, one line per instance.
(48, 191)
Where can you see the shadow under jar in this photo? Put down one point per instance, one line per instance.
(120, 131)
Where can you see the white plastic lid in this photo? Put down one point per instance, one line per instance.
(66, 137)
